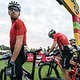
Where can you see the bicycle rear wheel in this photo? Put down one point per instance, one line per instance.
(47, 70)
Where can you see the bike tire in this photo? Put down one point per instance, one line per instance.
(1, 77)
(4, 76)
(48, 71)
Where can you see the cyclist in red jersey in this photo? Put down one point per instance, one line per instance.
(62, 41)
(17, 39)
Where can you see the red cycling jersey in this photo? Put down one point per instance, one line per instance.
(61, 40)
(17, 28)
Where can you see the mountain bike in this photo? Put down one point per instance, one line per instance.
(26, 74)
(52, 70)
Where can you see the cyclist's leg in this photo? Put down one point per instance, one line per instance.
(65, 72)
(66, 56)
(19, 63)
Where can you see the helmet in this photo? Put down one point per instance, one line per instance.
(51, 32)
(14, 4)
(73, 40)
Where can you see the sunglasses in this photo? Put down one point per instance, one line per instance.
(14, 8)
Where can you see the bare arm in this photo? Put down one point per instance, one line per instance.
(17, 48)
(52, 47)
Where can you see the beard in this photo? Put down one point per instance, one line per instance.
(13, 18)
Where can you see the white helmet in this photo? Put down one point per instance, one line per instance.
(14, 4)
(51, 32)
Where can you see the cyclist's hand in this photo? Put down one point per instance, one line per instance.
(11, 68)
(11, 64)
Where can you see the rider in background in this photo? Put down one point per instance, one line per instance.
(17, 39)
(73, 43)
(62, 41)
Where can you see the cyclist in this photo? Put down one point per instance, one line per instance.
(62, 41)
(73, 43)
(17, 39)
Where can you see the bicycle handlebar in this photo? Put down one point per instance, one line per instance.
(8, 56)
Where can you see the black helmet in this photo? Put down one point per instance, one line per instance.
(51, 32)
(14, 4)
(72, 40)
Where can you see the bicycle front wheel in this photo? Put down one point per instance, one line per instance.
(4, 76)
(47, 70)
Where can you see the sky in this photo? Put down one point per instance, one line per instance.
(39, 17)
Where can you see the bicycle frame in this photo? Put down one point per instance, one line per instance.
(31, 75)
(28, 74)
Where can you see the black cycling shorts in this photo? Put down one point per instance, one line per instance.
(21, 51)
(66, 56)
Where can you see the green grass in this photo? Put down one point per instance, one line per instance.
(27, 66)
(2, 64)
(45, 69)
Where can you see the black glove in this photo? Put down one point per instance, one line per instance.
(11, 68)
(11, 64)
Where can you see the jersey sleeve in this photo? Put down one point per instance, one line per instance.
(55, 37)
(20, 28)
